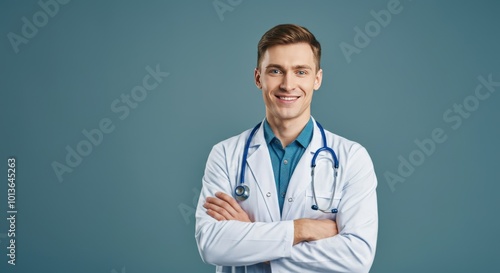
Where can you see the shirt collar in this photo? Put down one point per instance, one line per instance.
(303, 139)
(306, 135)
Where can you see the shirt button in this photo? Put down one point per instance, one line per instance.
(285, 161)
(283, 194)
(290, 199)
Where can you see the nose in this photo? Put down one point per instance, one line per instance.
(288, 82)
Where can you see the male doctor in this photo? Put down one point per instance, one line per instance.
(276, 228)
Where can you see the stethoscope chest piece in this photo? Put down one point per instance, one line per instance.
(242, 192)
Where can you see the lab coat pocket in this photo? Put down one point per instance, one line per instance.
(324, 198)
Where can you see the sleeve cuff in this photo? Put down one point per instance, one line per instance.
(288, 240)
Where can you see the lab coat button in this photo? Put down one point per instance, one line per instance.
(268, 194)
(290, 199)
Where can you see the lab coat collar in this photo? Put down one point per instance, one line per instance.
(259, 165)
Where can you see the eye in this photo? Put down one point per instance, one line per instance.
(274, 71)
(301, 72)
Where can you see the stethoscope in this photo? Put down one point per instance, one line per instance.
(242, 192)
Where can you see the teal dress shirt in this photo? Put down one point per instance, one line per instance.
(284, 160)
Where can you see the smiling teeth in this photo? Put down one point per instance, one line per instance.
(288, 98)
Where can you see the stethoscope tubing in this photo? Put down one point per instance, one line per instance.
(242, 192)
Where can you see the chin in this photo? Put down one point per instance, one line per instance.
(288, 117)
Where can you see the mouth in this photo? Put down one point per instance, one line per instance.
(287, 99)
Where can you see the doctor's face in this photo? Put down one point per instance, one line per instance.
(288, 76)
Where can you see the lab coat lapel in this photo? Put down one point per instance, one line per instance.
(301, 177)
(259, 165)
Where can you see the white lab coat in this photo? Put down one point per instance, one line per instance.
(236, 246)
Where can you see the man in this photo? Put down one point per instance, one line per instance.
(288, 222)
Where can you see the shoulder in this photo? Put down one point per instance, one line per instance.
(348, 150)
(234, 141)
(354, 160)
(231, 146)
(341, 142)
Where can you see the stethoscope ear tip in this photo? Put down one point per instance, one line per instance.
(315, 207)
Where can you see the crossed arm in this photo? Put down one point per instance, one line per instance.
(224, 207)
(226, 236)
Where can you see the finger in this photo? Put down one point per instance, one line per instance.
(215, 215)
(230, 200)
(223, 204)
(219, 209)
(239, 213)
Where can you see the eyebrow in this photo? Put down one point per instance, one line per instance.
(303, 66)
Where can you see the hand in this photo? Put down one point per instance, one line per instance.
(224, 207)
(306, 230)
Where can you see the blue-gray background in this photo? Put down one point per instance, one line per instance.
(127, 207)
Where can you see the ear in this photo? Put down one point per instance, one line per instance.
(256, 76)
(318, 79)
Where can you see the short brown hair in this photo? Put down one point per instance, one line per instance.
(286, 34)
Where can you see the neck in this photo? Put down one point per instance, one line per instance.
(287, 130)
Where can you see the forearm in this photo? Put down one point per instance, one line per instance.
(233, 243)
(298, 232)
(352, 250)
(306, 230)
(341, 253)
